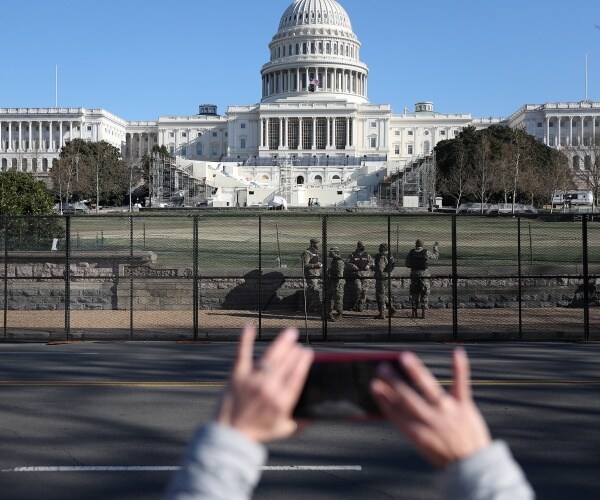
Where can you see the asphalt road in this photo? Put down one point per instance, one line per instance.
(110, 421)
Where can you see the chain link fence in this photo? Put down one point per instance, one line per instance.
(206, 274)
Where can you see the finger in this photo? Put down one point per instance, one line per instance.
(278, 349)
(299, 367)
(404, 397)
(420, 375)
(461, 387)
(243, 362)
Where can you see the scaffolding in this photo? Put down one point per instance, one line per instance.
(285, 178)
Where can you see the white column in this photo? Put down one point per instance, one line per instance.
(328, 140)
(10, 148)
(314, 133)
(280, 133)
(267, 141)
(333, 137)
(347, 133)
(140, 138)
(41, 134)
(547, 138)
(30, 137)
(81, 127)
(558, 133)
(61, 141)
(570, 130)
(300, 133)
(20, 143)
(261, 141)
(1, 142)
(51, 140)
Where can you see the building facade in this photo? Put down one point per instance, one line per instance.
(313, 134)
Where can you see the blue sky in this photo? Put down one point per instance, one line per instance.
(141, 59)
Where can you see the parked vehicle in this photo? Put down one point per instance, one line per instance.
(573, 198)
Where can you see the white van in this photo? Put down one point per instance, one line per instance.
(573, 198)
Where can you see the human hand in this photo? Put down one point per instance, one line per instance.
(444, 427)
(261, 396)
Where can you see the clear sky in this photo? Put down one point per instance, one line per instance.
(141, 59)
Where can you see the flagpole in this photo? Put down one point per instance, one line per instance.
(56, 86)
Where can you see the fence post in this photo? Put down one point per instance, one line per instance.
(324, 280)
(454, 282)
(259, 277)
(389, 277)
(130, 277)
(68, 278)
(520, 282)
(586, 279)
(5, 325)
(196, 301)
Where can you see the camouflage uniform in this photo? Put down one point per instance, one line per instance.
(311, 264)
(381, 281)
(420, 285)
(358, 266)
(335, 285)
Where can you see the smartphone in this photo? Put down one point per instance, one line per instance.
(337, 386)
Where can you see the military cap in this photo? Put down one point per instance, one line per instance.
(334, 250)
(419, 243)
(314, 240)
(360, 244)
(383, 247)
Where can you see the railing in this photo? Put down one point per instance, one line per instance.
(203, 275)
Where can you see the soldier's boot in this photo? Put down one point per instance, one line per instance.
(381, 314)
(414, 312)
(359, 306)
(393, 311)
(330, 317)
(423, 312)
(339, 315)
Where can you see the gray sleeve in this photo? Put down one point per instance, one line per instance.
(219, 463)
(490, 474)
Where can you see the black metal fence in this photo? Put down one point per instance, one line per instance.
(203, 275)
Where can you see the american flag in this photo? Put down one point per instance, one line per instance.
(314, 81)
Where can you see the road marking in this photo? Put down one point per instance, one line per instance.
(171, 468)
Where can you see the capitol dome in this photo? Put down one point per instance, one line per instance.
(315, 56)
(322, 12)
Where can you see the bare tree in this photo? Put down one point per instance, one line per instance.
(455, 183)
(556, 176)
(484, 178)
(586, 165)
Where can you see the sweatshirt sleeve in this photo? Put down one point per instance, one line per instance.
(219, 463)
(490, 474)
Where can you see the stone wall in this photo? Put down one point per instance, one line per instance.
(103, 280)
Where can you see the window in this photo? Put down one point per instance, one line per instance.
(539, 124)
(373, 124)
(183, 151)
(396, 132)
(199, 134)
(243, 125)
(89, 128)
(214, 134)
(172, 150)
(442, 132)
(242, 143)
(456, 132)
(213, 150)
(183, 134)
(199, 149)
(373, 142)
(397, 149)
(426, 132)
(410, 132)
(409, 149)
(171, 134)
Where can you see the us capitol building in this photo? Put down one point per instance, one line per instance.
(314, 136)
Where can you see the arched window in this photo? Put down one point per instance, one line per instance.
(318, 180)
(199, 148)
(576, 162)
(587, 162)
(265, 178)
(45, 165)
(328, 48)
(426, 147)
(299, 180)
(4, 164)
(24, 165)
(34, 165)
(336, 179)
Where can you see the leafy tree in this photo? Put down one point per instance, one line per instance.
(22, 195)
(90, 170)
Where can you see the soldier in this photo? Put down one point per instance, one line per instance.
(420, 285)
(358, 264)
(335, 285)
(311, 265)
(384, 264)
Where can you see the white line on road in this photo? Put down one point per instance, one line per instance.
(170, 468)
